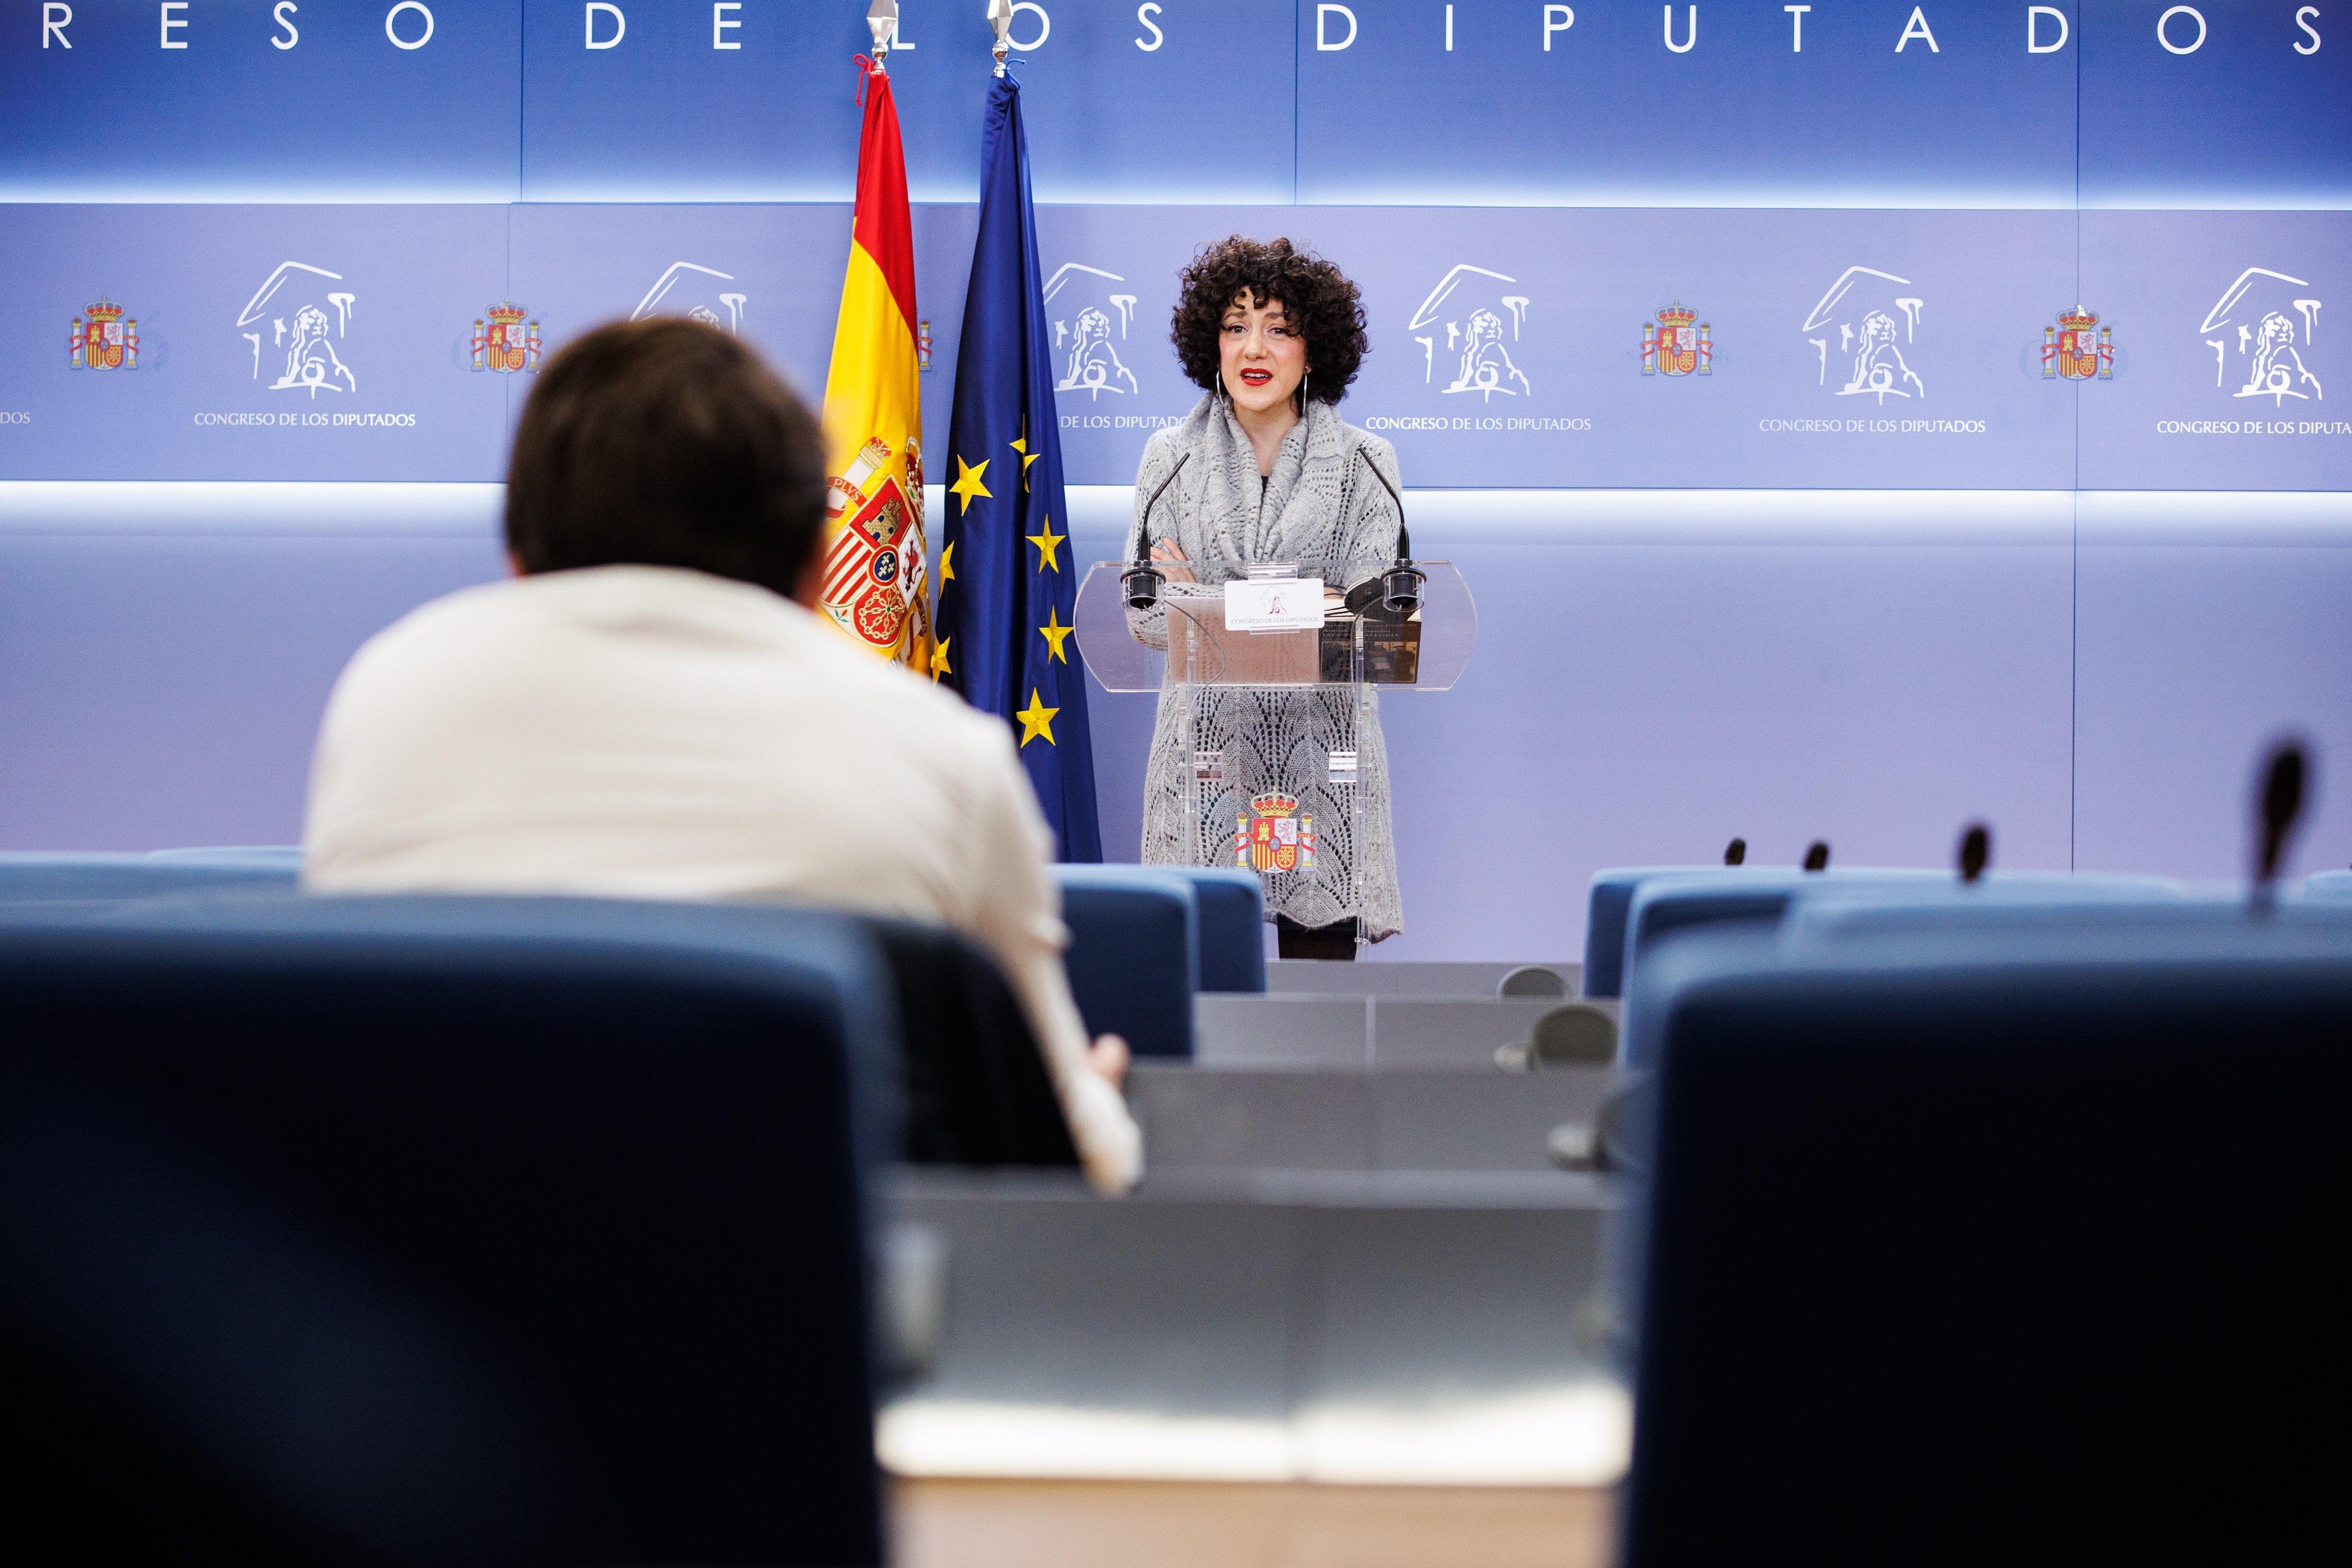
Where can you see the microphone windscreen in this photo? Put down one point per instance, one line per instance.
(1736, 852)
(1817, 859)
(1976, 851)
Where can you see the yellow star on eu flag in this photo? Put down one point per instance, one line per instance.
(1054, 634)
(1037, 719)
(940, 658)
(1048, 543)
(947, 562)
(967, 484)
(1027, 457)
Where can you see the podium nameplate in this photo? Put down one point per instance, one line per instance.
(1274, 603)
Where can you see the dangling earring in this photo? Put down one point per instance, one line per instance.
(1306, 379)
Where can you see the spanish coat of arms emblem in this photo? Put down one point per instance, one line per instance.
(1272, 837)
(506, 344)
(101, 339)
(2069, 349)
(874, 564)
(1671, 345)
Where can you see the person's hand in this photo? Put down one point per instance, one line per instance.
(1109, 1056)
(1171, 562)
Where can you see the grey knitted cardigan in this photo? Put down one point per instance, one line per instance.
(1318, 505)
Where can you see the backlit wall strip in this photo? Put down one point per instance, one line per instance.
(1976, 104)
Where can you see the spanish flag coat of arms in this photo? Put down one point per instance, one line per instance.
(877, 573)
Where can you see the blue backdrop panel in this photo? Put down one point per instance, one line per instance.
(1209, 100)
(1506, 342)
(1194, 106)
(772, 273)
(279, 343)
(1611, 114)
(661, 115)
(319, 106)
(1844, 349)
(2245, 119)
(2233, 372)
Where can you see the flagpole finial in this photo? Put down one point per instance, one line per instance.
(882, 21)
(999, 21)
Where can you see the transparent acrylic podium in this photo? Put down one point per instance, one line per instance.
(1272, 675)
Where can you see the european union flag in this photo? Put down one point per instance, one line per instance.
(1008, 579)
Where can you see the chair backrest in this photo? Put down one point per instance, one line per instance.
(1134, 958)
(1606, 904)
(977, 1091)
(67, 878)
(1818, 913)
(435, 1230)
(1999, 905)
(271, 856)
(1723, 894)
(1231, 909)
(962, 1084)
(1949, 1244)
(2329, 885)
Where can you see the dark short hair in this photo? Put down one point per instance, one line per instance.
(1322, 306)
(666, 443)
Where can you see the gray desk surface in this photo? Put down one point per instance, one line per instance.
(1370, 1033)
(1297, 976)
(1270, 1307)
(1202, 1120)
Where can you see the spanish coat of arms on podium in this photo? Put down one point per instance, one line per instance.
(1272, 835)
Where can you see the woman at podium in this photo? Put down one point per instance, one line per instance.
(1263, 473)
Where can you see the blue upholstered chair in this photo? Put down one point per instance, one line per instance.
(36, 877)
(272, 857)
(1230, 907)
(1134, 958)
(1609, 906)
(1128, 945)
(1605, 908)
(432, 1230)
(1816, 910)
(2329, 885)
(1656, 904)
(1954, 1239)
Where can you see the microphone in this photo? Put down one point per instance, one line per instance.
(1817, 859)
(2282, 804)
(1976, 851)
(1397, 591)
(1142, 581)
(1736, 852)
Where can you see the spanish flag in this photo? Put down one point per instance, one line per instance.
(877, 578)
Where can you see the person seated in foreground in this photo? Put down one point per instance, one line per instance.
(649, 709)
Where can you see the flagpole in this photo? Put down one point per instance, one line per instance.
(1000, 21)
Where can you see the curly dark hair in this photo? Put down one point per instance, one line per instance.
(1322, 305)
